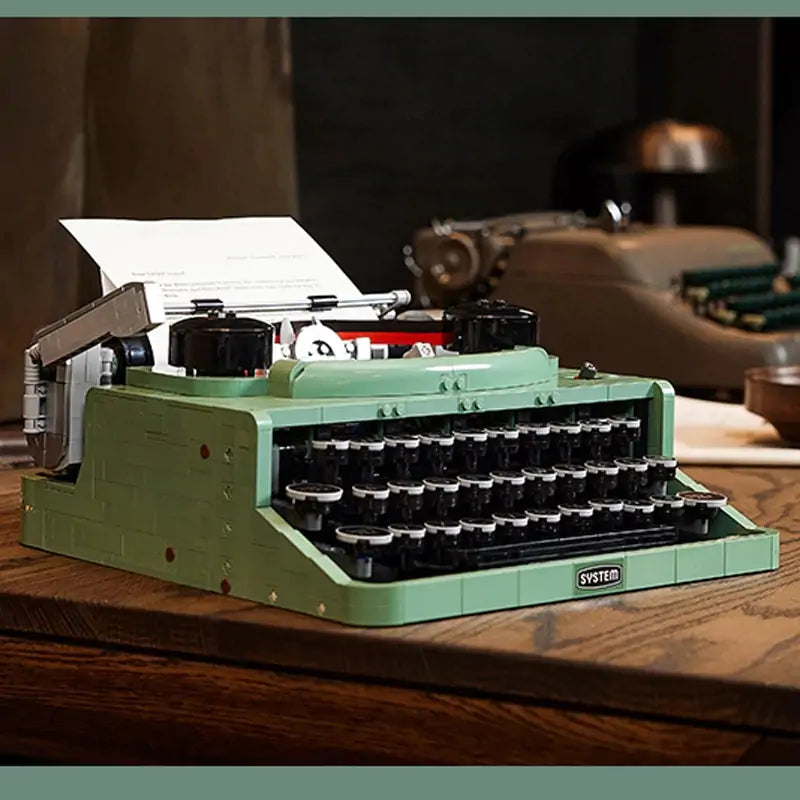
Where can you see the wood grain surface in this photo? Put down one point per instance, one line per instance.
(724, 654)
(134, 708)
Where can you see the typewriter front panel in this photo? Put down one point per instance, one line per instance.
(449, 494)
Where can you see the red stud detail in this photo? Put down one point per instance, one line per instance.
(169, 554)
(225, 586)
(204, 451)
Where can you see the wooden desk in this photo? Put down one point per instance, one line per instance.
(102, 666)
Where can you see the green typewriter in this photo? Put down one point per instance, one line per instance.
(376, 474)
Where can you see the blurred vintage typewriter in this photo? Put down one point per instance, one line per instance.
(694, 305)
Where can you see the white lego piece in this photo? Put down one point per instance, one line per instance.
(420, 350)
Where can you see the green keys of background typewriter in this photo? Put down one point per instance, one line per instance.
(762, 301)
(773, 319)
(704, 277)
(730, 286)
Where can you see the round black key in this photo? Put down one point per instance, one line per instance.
(700, 509)
(632, 476)
(512, 526)
(330, 456)
(559, 428)
(661, 470)
(508, 477)
(442, 537)
(402, 452)
(444, 527)
(370, 500)
(541, 429)
(363, 542)
(440, 439)
(540, 486)
(370, 444)
(402, 441)
(406, 498)
(503, 444)
(577, 471)
(637, 513)
(607, 514)
(407, 530)
(544, 522)
(626, 423)
(508, 433)
(596, 438)
(477, 531)
(330, 445)
(576, 518)
(367, 456)
(410, 540)
(602, 478)
(441, 484)
(624, 432)
(566, 439)
(471, 445)
(379, 491)
(534, 441)
(363, 535)
(703, 499)
(406, 486)
(437, 450)
(509, 488)
(441, 494)
(312, 501)
(570, 482)
(314, 492)
(476, 492)
(668, 508)
(600, 425)
(471, 435)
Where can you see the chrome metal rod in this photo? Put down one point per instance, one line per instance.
(395, 299)
(534, 221)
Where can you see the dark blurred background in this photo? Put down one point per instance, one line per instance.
(400, 121)
(362, 129)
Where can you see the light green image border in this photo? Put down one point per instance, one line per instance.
(541, 783)
(399, 783)
(409, 8)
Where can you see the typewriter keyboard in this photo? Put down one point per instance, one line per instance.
(756, 299)
(428, 497)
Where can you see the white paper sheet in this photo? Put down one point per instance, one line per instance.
(240, 260)
(727, 434)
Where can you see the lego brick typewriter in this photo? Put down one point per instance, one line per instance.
(366, 480)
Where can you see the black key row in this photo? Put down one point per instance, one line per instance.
(471, 494)
(437, 541)
(471, 449)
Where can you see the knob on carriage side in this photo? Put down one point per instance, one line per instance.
(221, 346)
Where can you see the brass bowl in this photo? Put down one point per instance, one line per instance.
(774, 393)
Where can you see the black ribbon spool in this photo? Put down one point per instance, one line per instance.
(225, 347)
(487, 326)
